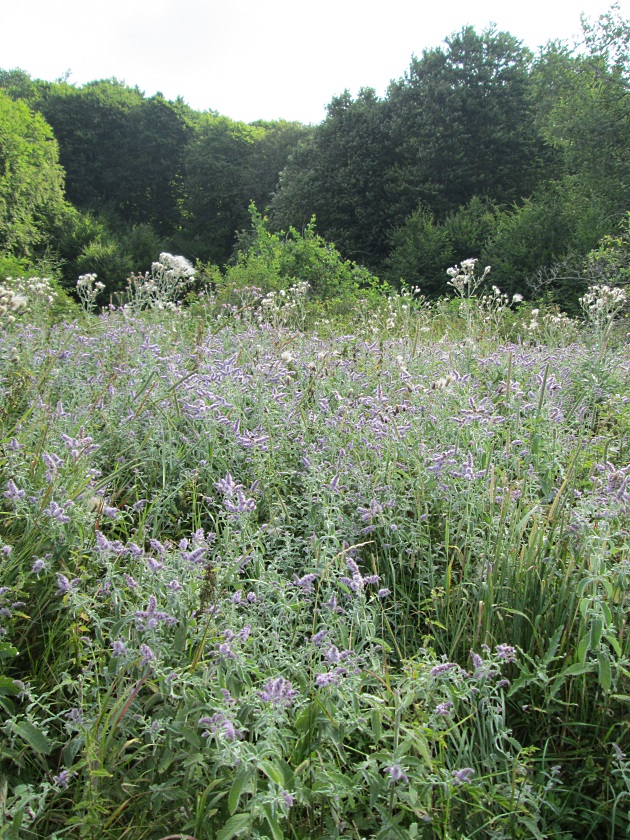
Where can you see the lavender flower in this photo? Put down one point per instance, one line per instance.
(443, 668)
(147, 654)
(279, 691)
(12, 492)
(396, 774)
(463, 776)
(150, 618)
(64, 585)
(506, 652)
(318, 638)
(62, 780)
(38, 565)
(383, 593)
(443, 709)
(118, 648)
(306, 582)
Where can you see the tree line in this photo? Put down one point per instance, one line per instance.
(481, 149)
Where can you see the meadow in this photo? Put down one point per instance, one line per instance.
(272, 575)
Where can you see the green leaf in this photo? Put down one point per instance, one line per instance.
(271, 771)
(583, 647)
(276, 831)
(33, 736)
(597, 627)
(604, 675)
(612, 641)
(7, 650)
(236, 825)
(9, 687)
(376, 724)
(577, 669)
(238, 785)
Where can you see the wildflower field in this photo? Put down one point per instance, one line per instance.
(365, 579)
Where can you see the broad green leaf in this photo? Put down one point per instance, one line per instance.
(271, 771)
(236, 825)
(7, 650)
(9, 687)
(577, 669)
(33, 736)
(597, 626)
(276, 831)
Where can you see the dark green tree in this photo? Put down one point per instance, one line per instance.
(342, 176)
(464, 123)
(123, 153)
(228, 164)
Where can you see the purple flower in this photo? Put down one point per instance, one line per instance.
(305, 582)
(279, 691)
(396, 773)
(150, 618)
(219, 723)
(225, 650)
(38, 565)
(463, 776)
(384, 593)
(288, 799)
(118, 648)
(443, 709)
(75, 716)
(12, 491)
(154, 564)
(147, 654)
(64, 585)
(506, 652)
(443, 668)
(131, 583)
(318, 638)
(63, 779)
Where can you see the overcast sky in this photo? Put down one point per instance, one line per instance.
(259, 59)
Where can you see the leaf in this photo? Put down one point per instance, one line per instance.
(9, 687)
(271, 771)
(7, 650)
(604, 675)
(597, 627)
(33, 736)
(234, 826)
(272, 822)
(577, 669)
(240, 781)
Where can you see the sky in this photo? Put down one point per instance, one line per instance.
(259, 59)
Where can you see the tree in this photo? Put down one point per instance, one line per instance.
(583, 108)
(341, 175)
(464, 123)
(32, 202)
(229, 164)
(123, 153)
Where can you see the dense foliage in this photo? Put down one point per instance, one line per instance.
(481, 149)
(365, 580)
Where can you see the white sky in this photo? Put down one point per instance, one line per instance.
(259, 59)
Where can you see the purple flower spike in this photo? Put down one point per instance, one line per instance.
(280, 692)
